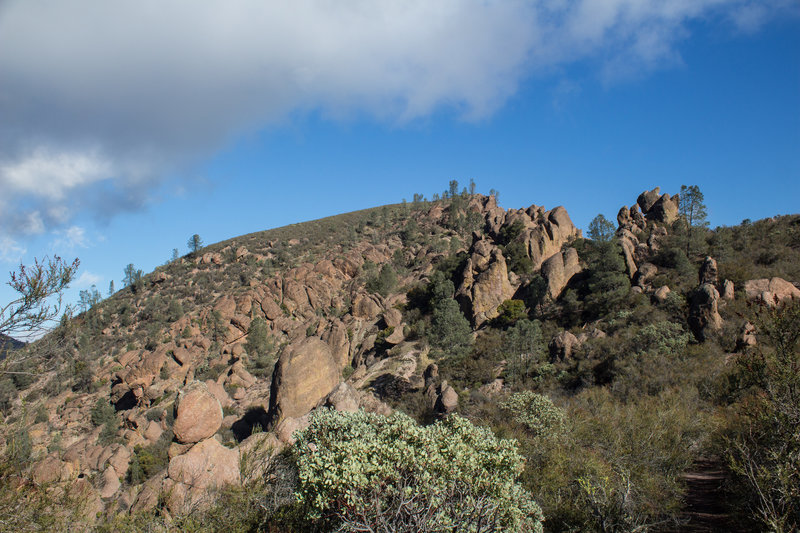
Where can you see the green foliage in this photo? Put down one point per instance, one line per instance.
(510, 312)
(693, 214)
(450, 330)
(147, 461)
(536, 412)
(384, 282)
(363, 470)
(19, 448)
(517, 256)
(102, 413)
(258, 338)
(601, 229)
(33, 310)
(607, 283)
(132, 277)
(195, 243)
(174, 311)
(764, 450)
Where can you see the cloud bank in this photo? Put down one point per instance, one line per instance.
(100, 101)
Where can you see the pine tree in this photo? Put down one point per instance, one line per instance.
(601, 229)
(195, 243)
(693, 212)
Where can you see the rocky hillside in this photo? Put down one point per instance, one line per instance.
(152, 399)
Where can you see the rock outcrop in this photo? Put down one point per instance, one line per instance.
(562, 346)
(485, 282)
(770, 291)
(207, 465)
(559, 269)
(199, 414)
(704, 317)
(305, 373)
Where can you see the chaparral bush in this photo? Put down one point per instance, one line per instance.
(366, 472)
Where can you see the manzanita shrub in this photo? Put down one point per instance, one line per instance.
(367, 472)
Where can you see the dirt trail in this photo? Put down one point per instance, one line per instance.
(705, 499)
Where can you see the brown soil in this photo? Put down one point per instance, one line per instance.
(705, 510)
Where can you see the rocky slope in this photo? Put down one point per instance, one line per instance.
(170, 388)
(176, 356)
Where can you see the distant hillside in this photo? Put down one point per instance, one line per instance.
(613, 360)
(8, 344)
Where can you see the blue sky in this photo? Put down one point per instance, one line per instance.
(125, 131)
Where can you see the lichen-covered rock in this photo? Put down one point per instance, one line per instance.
(199, 414)
(304, 374)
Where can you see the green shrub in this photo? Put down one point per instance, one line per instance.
(102, 412)
(365, 470)
(536, 412)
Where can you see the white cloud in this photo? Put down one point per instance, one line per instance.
(49, 174)
(70, 238)
(10, 250)
(87, 279)
(110, 97)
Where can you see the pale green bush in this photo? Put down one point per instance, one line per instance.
(536, 412)
(368, 472)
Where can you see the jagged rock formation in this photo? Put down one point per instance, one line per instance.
(321, 324)
(704, 317)
(486, 284)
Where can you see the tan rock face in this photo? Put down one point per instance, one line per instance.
(704, 317)
(365, 306)
(207, 464)
(559, 269)
(305, 373)
(485, 284)
(199, 414)
(343, 398)
(770, 290)
(708, 271)
(661, 294)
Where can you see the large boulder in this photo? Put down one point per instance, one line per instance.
(207, 465)
(704, 317)
(665, 210)
(305, 373)
(648, 199)
(199, 414)
(770, 291)
(559, 269)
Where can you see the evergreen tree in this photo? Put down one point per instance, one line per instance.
(132, 276)
(693, 212)
(195, 243)
(175, 254)
(111, 288)
(601, 229)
